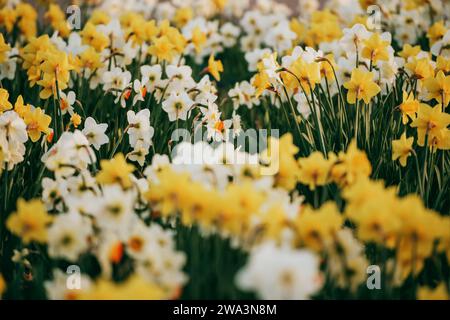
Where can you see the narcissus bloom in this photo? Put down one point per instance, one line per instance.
(37, 122)
(375, 49)
(361, 86)
(92, 37)
(401, 149)
(30, 221)
(409, 51)
(436, 32)
(409, 106)
(439, 88)
(317, 227)
(215, 67)
(314, 170)
(4, 103)
(420, 68)
(4, 49)
(198, 38)
(430, 121)
(162, 48)
(75, 119)
(116, 170)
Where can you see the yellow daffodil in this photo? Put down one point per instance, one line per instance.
(220, 4)
(4, 49)
(438, 88)
(314, 170)
(316, 228)
(361, 86)
(57, 19)
(299, 29)
(436, 32)
(116, 170)
(401, 149)
(215, 67)
(162, 48)
(375, 49)
(409, 107)
(20, 107)
(99, 17)
(27, 18)
(409, 51)
(350, 166)
(327, 66)
(307, 73)
(420, 68)
(182, 16)
(75, 119)
(94, 38)
(443, 64)
(37, 123)
(430, 121)
(8, 17)
(261, 83)
(4, 102)
(198, 39)
(30, 221)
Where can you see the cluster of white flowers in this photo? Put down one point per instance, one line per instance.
(140, 135)
(280, 273)
(103, 220)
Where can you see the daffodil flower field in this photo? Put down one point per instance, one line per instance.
(344, 192)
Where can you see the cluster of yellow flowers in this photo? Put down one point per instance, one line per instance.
(24, 15)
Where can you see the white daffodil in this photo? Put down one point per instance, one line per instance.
(95, 133)
(177, 105)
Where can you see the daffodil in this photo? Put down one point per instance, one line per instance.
(4, 103)
(37, 123)
(350, 166)
(116, 170)
(182, 16)
(436, 32)
(215, 67)
(314, 170)
(430, 121)
(409, 51)
(409, 106)
(375, 49)
(439, 88)
(443, 64)
(75, 119)
(4, 49)
(198, 38)
(30, 221)
(92, 37)
(420, 68)
(317, 228)
(162, 48)
(90, 59)
(307, 73)
(361, 86)
(401, 149)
